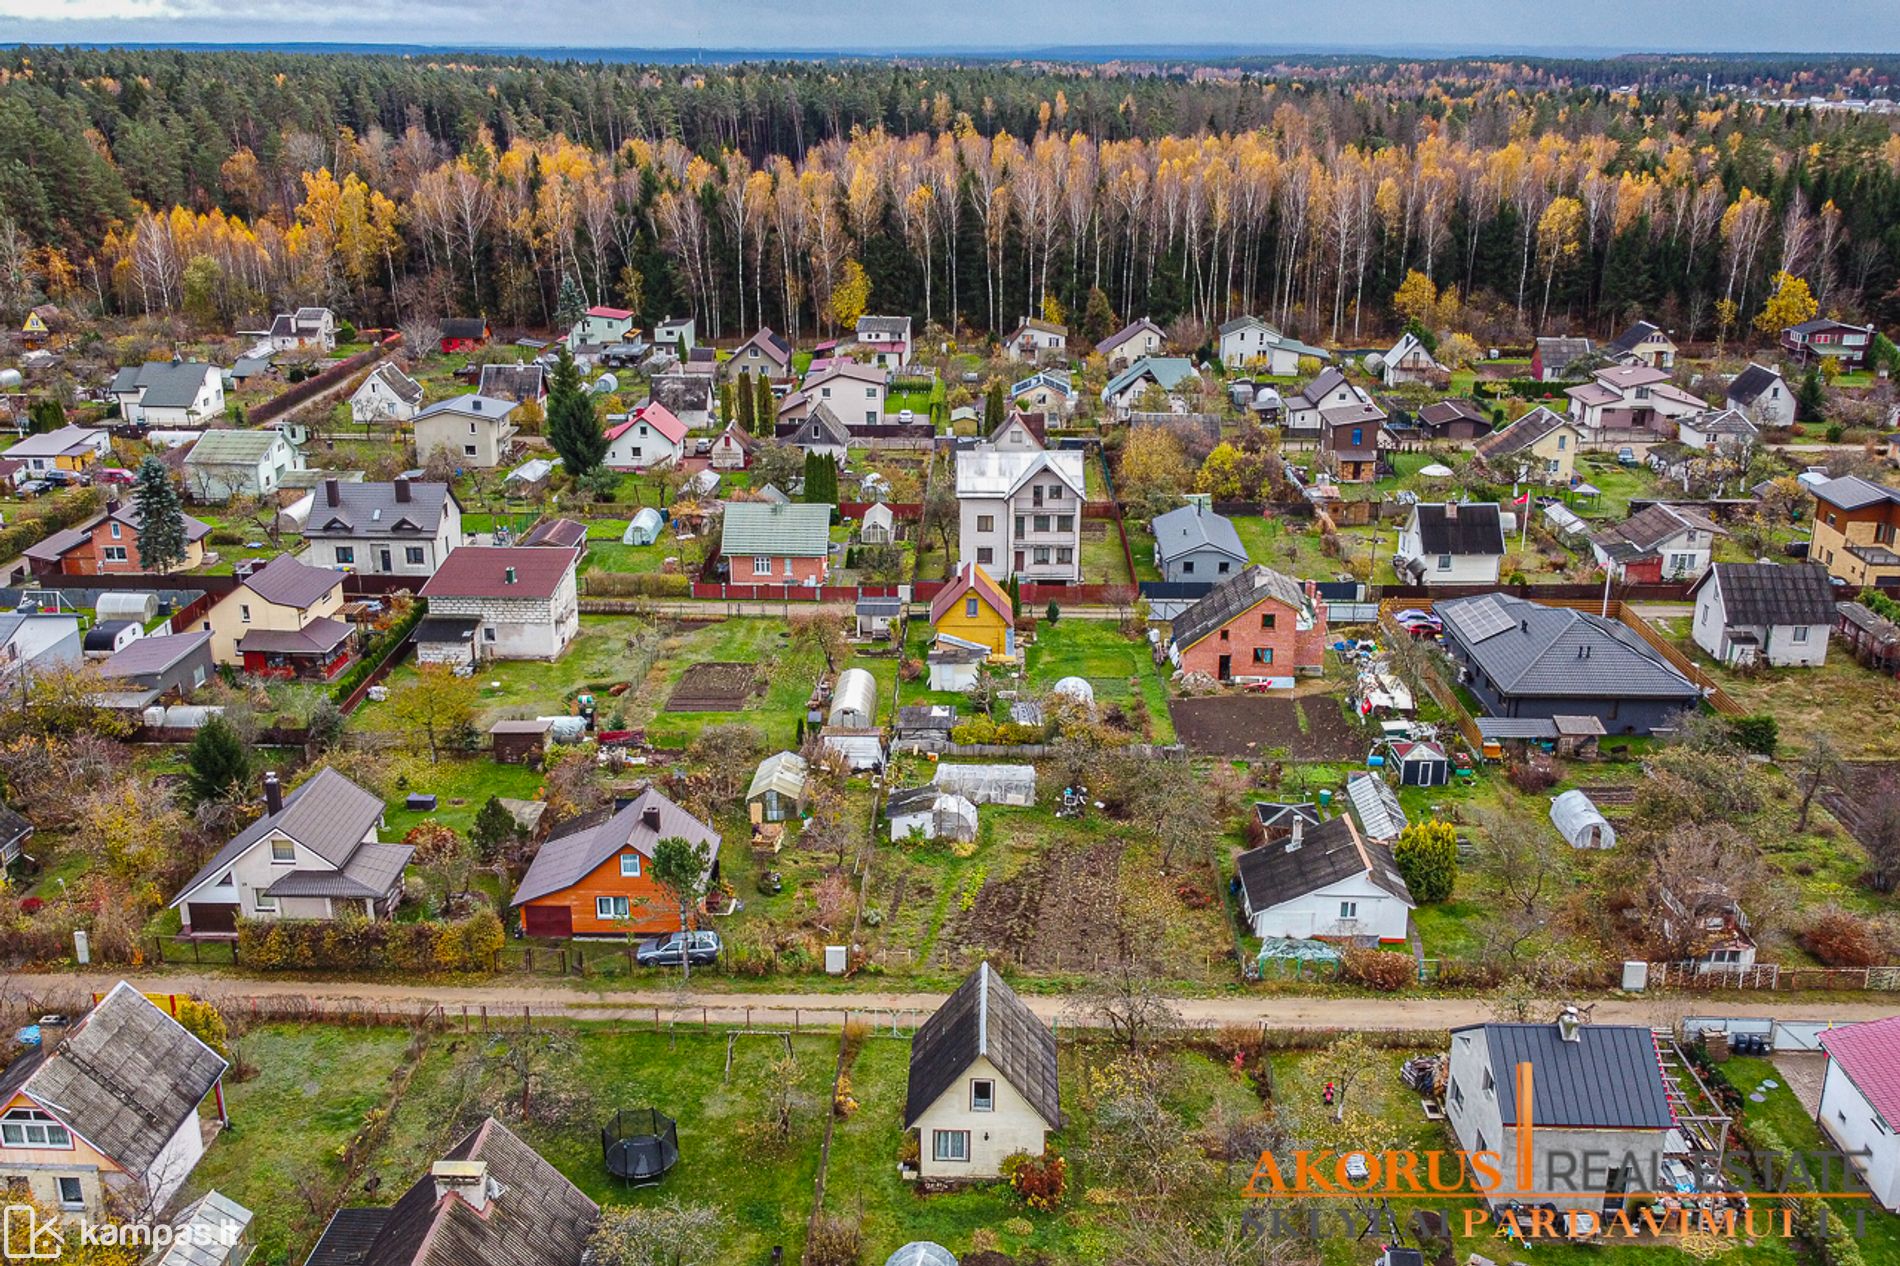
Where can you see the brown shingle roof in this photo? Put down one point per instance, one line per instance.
(289, 583)
(482, 571)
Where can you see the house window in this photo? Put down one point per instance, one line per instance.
(1222, 568)
(282, 853)
(1021, 524)
(1042, 523)
(1490, 1082)
(1065, 523)
(1187, 568)
(969, 607)
(1561, 441)
(468, 450)
(413, 555)
(1349, 909)
(630, 865)
(1457, 1094)
(1042, 555)
(1444, 562)
(982, 1096)
(985, 556)
(1263, 654)
(488, 633)
(71, 1194)
(29, 1127)
(1358, 437)
(346, 555)
(116, 531)
(1266, 619)
(608, 908)
(986, 523)
(1065, 555)
(1800, 632)
(1223, 635)
(265, 904)
(115, 553)
(1055, 493)
(950, 1145)
(761, 566)
(244, 613)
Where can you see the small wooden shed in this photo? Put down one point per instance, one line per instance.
(520, 742)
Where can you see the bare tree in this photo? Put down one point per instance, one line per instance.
(1126, 1000)
(1818, 764)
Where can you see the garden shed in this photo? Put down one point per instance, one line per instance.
(1421, 763)
(645, 528)
(1580, 822)
(520, 742)
(989, 784)
(932, 812)
(777, 792)
(854, 701)
(879, 526)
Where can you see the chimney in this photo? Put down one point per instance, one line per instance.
(477, 405)
(273, 794)
(330, 493)
(402, 490)
(508, 578)
(1299, 834)
(1570, 1025)
(650, 817)
(465, 1180)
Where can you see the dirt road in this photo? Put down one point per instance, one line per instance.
(906, 1009)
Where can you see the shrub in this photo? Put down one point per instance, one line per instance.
(1427, 854)
(1841, 939)
(1758, 734)
(1382, 970)
(1532, 775)
(32, 905)
(833, 1241)
(1039, 1180)
(357, 943)
(650, 584)
(225, 536)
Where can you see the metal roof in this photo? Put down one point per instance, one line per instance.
(567, 859)
(1380, 816)
(763, 529)
(1609, 1078)
(1448, 528)
(329, 815)
(1274, 874)
(223, 447)
(502, 571)
(1869, 1053)
(1545, 652)
(984, 1019)
(289, 583)
(167, 384)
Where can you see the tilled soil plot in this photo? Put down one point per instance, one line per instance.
(1047, 916)
(715, 687)
(1249, 725)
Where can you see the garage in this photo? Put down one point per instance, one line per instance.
(547, 920)
(212, 919)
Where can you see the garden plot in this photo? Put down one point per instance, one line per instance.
(1307, 729)
(716, 687)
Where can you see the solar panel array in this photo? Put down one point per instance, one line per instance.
(1487, 619)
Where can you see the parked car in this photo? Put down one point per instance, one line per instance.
(702, 448)
(1626, 456)
(68, 478)
(114, 475)
(702, 949)
(34, 487)
(1418, 615)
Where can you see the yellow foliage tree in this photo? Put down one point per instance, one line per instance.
(1053, 311)
(851, 296)
(1416, 298)
(1789, 302)
(1456, 351)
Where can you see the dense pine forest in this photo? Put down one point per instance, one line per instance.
(1536, 195)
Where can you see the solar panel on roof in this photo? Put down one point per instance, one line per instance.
(1486, 619)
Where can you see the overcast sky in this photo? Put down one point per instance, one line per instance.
(876, 25)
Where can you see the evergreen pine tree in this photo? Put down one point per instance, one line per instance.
(748, 403)
(46, 414)
(765, 410)
(216, 762)
(1015, 597)
(814, 490)
(1098, 319)
(494, 826)
(993, 407)
(1810, 398)
(572, 426)
(161, 531)
(571, 306)
(725, 403)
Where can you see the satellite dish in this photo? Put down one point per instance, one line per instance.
(9, 377)
(605, 385)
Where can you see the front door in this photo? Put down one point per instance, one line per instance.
(386, 566)
(1226, 667)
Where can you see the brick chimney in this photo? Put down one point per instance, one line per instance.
(331, 493)
(273, 794)
(402, 489)
(466, 1180)
(650, 817)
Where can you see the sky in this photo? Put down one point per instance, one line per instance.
(1422, 27)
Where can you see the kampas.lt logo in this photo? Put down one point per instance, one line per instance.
(24, 1237)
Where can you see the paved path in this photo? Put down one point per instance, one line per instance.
(829, 1008)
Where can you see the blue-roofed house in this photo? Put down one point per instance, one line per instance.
(1125, 389)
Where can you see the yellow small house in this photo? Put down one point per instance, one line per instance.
(1540, 447)
(973, 608)
(283, 596)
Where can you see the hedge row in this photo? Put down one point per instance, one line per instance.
(982, 730)
(357, 943)
(648, 584)
(386, 644)
(56, 514)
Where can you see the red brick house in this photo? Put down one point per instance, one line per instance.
(1258, 626)
(109, 547)
(768, 544)
(597, 878)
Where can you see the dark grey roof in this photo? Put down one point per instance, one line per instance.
(400, 385)
(447, 628)
(1764, 595)
(536, 1218)
(102, 635)
(464, 327)
(1644, 532)
(372, 509)
(1553, 652)
(329, 815)
(881, 608)
(883, 325)
(561, 533)
(1851, 492)
(289, 583)
(373, 870)
(1557, 353)
(126, 1077)
(1441, 413)
(347, 1238)
(1609, 1078)
(821, 427)
(567, 859)
(1255, 584)
(984, 1019)
(319, 637)
(13, 827)
(1313, 392)
(1628, 339)
(1517, 727)
(1748, 385)
(1192, 528)
(1334, 850)
(1275, 813)
(512, 382)
(1519, 435)
(912, 800)
(927, 716)
(168, 384)
(1444, 528)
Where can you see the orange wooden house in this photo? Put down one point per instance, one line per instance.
(596, 879)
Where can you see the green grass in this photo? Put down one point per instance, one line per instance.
(1096, 650)
(1620, 485)
(1288, 545)
(461, 788)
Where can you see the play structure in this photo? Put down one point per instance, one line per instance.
(640, 1145)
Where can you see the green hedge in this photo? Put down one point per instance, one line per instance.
(386, 644)
(359, 944)
(1526, 388)
(56, 514)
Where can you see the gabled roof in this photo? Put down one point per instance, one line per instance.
(1327, 381)
(464, 327)
(1239, 323)
(561, 533)
(883, 325)
(59, 443)
(319, 637)
(783, 772)
(1190, 528)
(152, 654)
(1167, 372)
(1851, 492)
(1747, 386)
(289, 583)
(400, 385)
(124, 1079)
(223, 447)
(1457, 409)
(1127, 332)
(376, 509)
(1640, 332)
(1645, 532)
(1718, 422)
(1521, 434)
(1769, 595)
(771, 344)
(655, 415)
(1274, 874)
(1557, 353)
(819, 428)
(761, 529)
(970, 579)
(1055, 379)
(1473, 529)
(1820, 325)
(1609, 1078)
(984, 1019)
(501, 571)
(1040, 326)
(472, 405)
(985, 472)
(1556, 652)
(513, 382)
(131, 516)
(172, 384)
(328, 814)
(567, 859)
(1869, 1053)
(850, 370)
(611, 314)
(1233, 598)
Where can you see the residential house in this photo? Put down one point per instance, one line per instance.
(168, 393)
(650, 437)
(1658, 543)
(1329, 390)
(1020, 433)
(1540, 446)
(73, 448)
(983, 1083)
(765, 354)
(404, 527)
(110, 547)
(305, 330)
(1764, 613)
(1020, 513)
(1701, 925)
(386, 395)
(1846, 345)
(107, 1113)
(524, 603)
(1193, 544)
(522, 384)
(1629, 405)
(1521, 659)
(767, 544)
(1761, 393)
(600, 325)
(777, 791)
(819, 431)
(1050, 392)
(39, 641)
(463, 334)
(315, 854)
(282, 614)
(492, 1200)
(224, 464)
(1410, 361)
(1351, 433)
(475, 430)
(732, 450)
(854, 392)
(1727, 432)
(1860, 1102)
(1596, 1090)
(1125, 390)
(169, 665)
(1855, 521)
(887, 339)
(1327, 881)
(1130, 343)
(1250, 344)
(1035, 341)
(45, 327)
(1456, 420)
(973, 609)
(1642, 344)
(687, 396)
(1447, 543)
(595, 878)
(1552, 358)
(1257, 626)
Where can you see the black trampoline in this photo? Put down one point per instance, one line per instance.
(640, 1144)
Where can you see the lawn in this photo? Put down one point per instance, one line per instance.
(1116, 667)
(1619, 484)
(1103, 562)
(461, 788)
(1288, 545)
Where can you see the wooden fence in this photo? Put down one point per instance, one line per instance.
(1771, 977)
